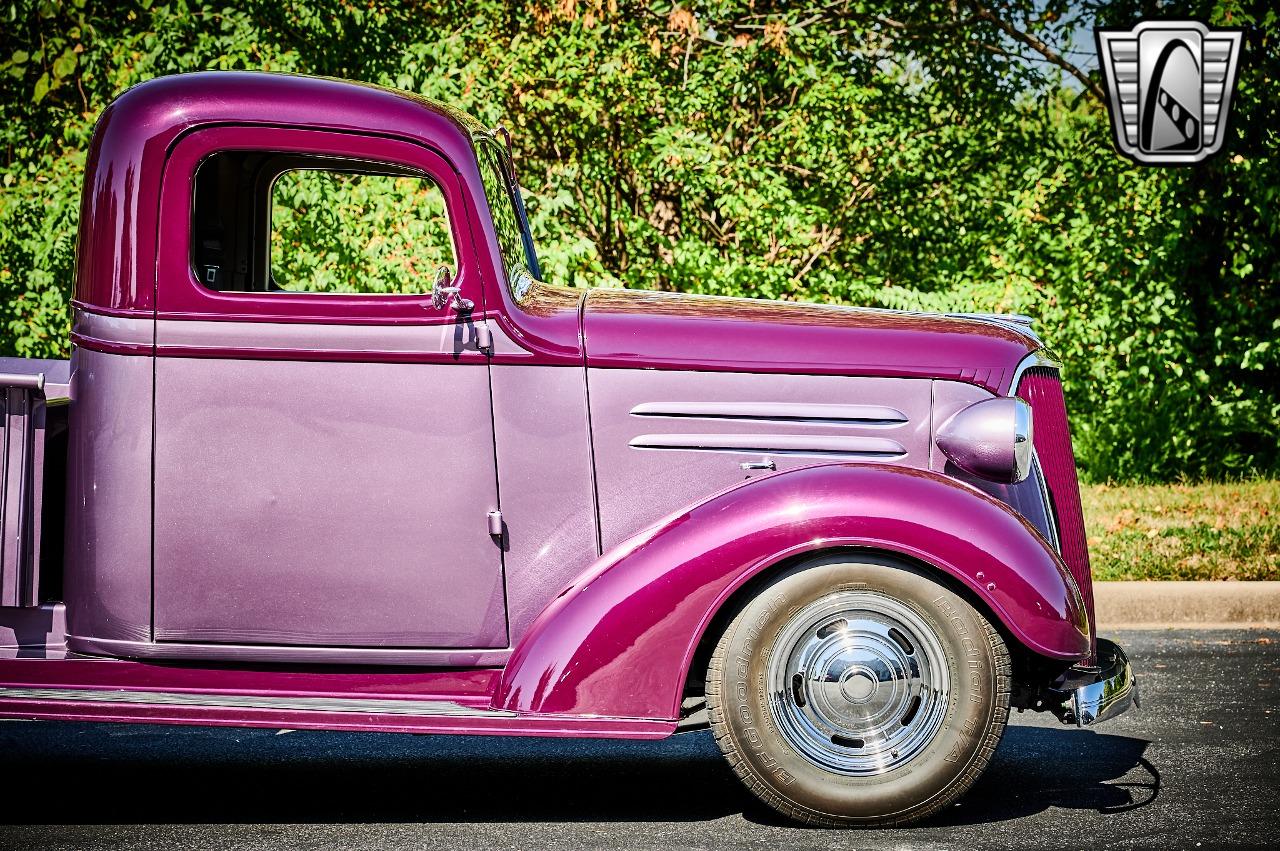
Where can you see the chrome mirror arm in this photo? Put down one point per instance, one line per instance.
(444, 293)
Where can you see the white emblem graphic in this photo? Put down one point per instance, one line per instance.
(1169, 88)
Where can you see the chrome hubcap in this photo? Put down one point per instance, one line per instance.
(858, 683)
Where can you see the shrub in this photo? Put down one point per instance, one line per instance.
(851, 153)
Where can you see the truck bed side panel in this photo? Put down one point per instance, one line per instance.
(108, 553)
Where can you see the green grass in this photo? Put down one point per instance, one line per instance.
(1210, 531)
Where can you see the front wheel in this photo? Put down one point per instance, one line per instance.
(858, 691)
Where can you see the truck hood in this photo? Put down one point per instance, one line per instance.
(646, 330)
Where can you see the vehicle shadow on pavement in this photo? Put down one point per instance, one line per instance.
(1037, 768)
(132, 775)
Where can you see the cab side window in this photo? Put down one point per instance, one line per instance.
(273, 223)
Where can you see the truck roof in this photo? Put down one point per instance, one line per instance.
(124, 172)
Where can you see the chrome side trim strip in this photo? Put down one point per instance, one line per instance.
(1043, 358)
(790, 444)
(244, 701)
(1018, 322)
(773, 412)
(1049, 512)
(1019, 319)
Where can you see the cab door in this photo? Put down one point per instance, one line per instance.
(324, 461)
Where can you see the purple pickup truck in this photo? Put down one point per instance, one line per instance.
(464, 500)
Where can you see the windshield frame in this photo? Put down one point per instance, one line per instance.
(488, 144)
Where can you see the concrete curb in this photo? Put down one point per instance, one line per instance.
(1158, 605)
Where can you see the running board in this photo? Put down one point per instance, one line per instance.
(391, 700)
(241, 701)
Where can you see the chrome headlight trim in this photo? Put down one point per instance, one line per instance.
(991, 439)
(1023, 439)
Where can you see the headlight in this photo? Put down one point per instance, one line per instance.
(991, 439)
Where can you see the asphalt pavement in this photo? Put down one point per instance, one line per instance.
(1197, 766)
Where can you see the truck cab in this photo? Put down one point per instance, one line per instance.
(298, 475)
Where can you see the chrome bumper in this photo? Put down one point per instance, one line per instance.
(1098, 693)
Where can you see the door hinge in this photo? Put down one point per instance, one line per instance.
(484, 337)
(495, 523)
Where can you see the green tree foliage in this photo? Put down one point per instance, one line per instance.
(932, 156)
(357, 233)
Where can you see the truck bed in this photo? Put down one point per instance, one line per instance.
(33, 393)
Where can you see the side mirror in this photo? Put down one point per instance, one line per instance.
(443, 292)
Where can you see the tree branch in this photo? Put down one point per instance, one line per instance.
(1052, 56)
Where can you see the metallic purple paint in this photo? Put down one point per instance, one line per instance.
(178, 293)
(337, 504)
(286, 654)
(676, 331)
(56, 372)
(800, 445)
(469, 688)
(545, 483)
(127, 330)
(34, 632)
(638, 486)
(454, 341)
(543, 328)
(325, 465)
(120, 214)
(1043, 389)
(107, 574)
(1025, 497)
(24, 425)
(549, 726)
(611, 642)
(980, 439)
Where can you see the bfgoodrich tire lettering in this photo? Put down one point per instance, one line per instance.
(773, 739)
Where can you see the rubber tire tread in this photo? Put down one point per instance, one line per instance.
(797, 811)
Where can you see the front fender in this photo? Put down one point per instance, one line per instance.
(620, 639)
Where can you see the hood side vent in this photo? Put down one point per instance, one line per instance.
(777, 444)
(777, 412)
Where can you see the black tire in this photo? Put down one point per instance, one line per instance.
(951, 746)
